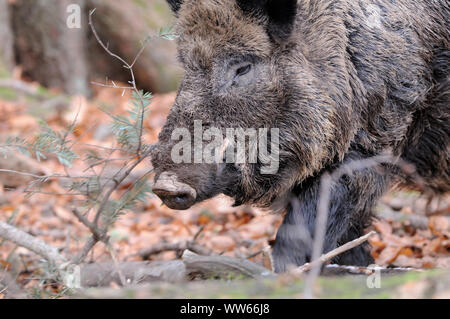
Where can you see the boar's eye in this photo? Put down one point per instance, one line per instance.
(243, 70)
(236, 74)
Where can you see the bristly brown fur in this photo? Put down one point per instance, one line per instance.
(346, 80)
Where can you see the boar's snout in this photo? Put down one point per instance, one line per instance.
(173, 193)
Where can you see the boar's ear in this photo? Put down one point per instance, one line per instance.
(281, 15)
(175, 5)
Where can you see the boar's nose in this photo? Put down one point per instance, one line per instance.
(173, 193)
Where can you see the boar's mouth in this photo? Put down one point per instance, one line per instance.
(173, 193)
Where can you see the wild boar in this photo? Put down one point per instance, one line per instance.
(321, 83)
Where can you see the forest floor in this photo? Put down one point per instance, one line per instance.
(412, 231)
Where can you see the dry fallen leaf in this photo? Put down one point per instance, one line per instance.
(388, 255)
(439, 225)
(222, 243)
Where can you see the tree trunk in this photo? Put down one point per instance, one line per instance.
(6, 40)
(57, 56)
(47, 49)
(125, 25)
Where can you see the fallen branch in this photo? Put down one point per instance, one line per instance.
(341, 270)
(34, 244)
(192, 265)
(335, 252)
(195, 266)
(223, 266)
(132, 273)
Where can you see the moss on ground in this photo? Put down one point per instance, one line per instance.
(352, 287)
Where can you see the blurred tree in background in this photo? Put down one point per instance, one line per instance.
(6, 40)
(35, 37)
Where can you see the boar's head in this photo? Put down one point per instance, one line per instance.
(245, 69)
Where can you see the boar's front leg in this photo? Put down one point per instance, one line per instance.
(351, 201)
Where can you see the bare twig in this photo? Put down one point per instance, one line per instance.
(116, 182)
(85, 251)
(122, 278)
(105, 160)
(99, 146)
(336, 270)
(45, 177)
(101, 42)
(100, 232)
(199, 232)
(8, 171)
(87, 223)
(144, 45)
(52, 193)
(113, 86)
(178, 247)
(335, 252)
(133, 79)
(320, 229)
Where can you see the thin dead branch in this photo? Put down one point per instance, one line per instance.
(335, 252)
(132, 273)
(222, 266)
(34, 244)
(129, 67)
(192, 265)
(84, 251)
(177, 247)
(342, 270)
(99, 232)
